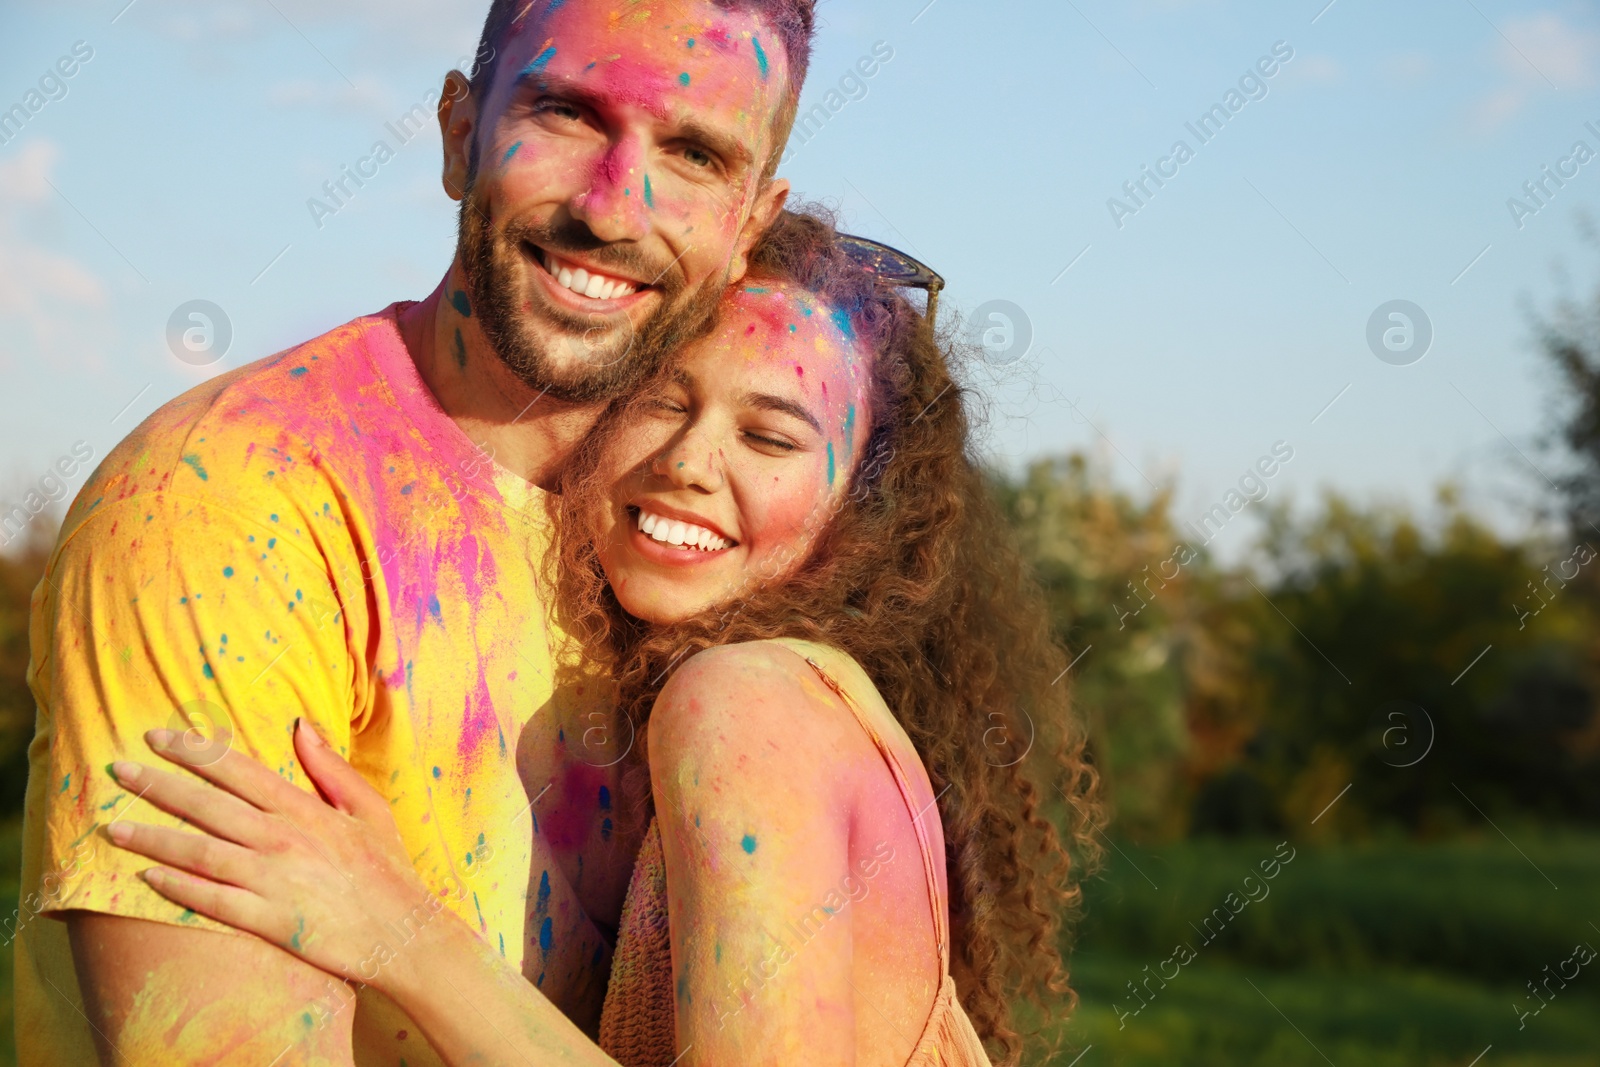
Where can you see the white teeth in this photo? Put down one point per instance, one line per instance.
(685, 534)
(580, 281)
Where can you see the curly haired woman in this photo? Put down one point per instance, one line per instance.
(832, 656)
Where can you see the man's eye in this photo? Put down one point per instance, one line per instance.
(557, 108)
(699, 157)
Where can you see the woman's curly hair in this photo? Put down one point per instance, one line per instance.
(916, 575)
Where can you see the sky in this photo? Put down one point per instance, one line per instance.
(1181, 330)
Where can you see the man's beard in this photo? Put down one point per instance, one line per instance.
(606, 361)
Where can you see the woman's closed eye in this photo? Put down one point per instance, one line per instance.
(768, 441)
(665, 406)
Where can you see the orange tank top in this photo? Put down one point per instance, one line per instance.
(638, 1022)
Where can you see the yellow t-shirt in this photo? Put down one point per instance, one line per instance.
(309, 534)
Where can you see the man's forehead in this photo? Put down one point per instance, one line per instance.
(677, 44)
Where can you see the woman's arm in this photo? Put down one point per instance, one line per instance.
(331, 884)
(754, 770)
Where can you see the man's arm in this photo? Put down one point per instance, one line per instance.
(177, 612)
(156, 993)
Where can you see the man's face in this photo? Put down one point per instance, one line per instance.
(615, 184)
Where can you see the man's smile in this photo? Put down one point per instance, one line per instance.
(583, 287)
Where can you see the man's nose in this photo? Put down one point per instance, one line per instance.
(615, 206)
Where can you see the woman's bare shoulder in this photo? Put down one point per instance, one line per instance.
(758, 699)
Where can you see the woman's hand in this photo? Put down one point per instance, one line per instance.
(328, 881)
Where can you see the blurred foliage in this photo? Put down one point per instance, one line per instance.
(20, 571)
(1569, 338)
(1089, 543)
(1346, 651)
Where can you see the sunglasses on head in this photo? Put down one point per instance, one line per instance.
(894, 267)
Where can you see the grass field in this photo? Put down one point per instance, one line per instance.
(10, 868)
(1376, 955)
(1223, 1013)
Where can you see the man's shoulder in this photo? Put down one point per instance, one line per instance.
(269, 430)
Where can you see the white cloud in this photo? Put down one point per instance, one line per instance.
(43, 294)
(1544, 46)
(26, 178)
(1537, 53)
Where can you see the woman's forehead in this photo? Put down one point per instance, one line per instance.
(767, 322)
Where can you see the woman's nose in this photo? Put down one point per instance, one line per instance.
(690, 463)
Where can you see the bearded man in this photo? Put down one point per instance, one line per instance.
(350, 530)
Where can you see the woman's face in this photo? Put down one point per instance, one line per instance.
(722, 479)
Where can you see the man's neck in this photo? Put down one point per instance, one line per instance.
(525, 432)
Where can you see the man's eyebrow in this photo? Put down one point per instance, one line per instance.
(732, 149)
(769, 402)
(541, 82)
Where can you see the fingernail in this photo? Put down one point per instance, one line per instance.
(119, 832)
(126, 771)
(159, 738)
(154, 875)
(311, 734)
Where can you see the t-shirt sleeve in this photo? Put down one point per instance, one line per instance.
(179, 612)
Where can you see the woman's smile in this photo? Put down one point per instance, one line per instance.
(666, 535)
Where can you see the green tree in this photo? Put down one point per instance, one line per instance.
(20, 571)
(1120, 605)
(1435, 669)
(1569, 337)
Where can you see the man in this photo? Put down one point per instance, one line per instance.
(351, 531)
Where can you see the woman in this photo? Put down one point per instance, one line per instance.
(835, 664)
